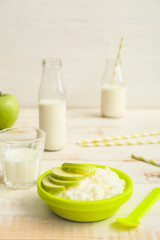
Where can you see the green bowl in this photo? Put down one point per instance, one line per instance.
(86, 211)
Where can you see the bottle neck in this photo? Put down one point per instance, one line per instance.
(52, 86)
(51, 73)
(52, 62)
(112, 73)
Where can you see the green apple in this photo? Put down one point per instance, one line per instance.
(84, 169)
(63, 182)
(62, 175)
(50, 187)
(9, 110)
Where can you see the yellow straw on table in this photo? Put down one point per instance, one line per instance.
(146, 160)
(105, 139)
(117, 61)
(119, 143)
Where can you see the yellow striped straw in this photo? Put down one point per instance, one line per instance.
(105, 139)
(119, 143)
(146, 160)
(117, 60)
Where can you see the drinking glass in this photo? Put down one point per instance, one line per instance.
(21, 151)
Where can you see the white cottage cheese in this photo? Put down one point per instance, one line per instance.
(104, 184)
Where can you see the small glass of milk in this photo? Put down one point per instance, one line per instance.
(113, 94)
(21, 151)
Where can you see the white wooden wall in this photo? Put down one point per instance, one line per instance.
(83, 33)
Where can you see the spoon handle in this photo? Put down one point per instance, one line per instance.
(145, 205)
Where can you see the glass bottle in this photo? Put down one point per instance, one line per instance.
(52, 104)
(113, 91)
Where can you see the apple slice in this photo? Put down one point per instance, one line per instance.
(77, 164)
(62, 182)
(50, 187)
(58, 173)
(84, 169)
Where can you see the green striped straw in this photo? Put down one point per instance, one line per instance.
(145, 160)
(119, 143)
(113, 138)
(117, 61)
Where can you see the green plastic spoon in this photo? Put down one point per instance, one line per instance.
(133, 219)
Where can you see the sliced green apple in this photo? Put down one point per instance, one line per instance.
(63, 182)
(50, 187)
(58, 173)
(77, 164)
(84, 169)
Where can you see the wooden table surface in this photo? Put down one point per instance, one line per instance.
(23, 215)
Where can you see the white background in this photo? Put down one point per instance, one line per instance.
(83, 33)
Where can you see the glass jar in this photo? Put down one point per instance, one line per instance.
(113, 91)
(52, 104)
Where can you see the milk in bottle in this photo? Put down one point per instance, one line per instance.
(52, 105)
(113, 95)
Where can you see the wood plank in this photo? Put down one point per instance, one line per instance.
(23, 215)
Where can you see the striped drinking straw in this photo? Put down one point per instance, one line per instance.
(119, 143)
(113, 138)
(145, 160)
(117, 61)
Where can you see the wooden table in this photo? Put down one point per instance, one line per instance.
(23, 215)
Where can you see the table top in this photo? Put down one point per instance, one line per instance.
(23, 215)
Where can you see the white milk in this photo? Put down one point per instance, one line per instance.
(52, 119)
(21, 166)
(113, 100)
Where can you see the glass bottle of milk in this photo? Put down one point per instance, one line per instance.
(52, 104)
(113, 93)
